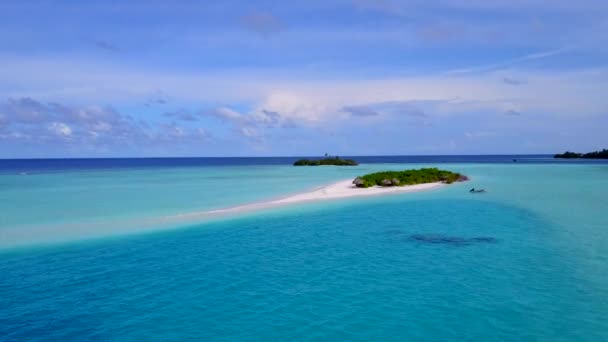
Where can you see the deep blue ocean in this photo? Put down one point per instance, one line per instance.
(97, 250)
(59, 165)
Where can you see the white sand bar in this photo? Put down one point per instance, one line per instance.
(342, 189)
(67, 232)
(345, 189)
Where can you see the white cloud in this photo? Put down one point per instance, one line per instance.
(511, 62)
(60, 129)
(228, 114)
(297, 105)
(249, 132)
(202, 132)
(310, 100)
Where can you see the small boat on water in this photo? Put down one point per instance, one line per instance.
(476, 191)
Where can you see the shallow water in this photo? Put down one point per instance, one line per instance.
(525, 261)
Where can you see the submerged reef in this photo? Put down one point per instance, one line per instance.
(450, 240)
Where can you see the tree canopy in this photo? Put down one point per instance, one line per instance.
(326, 161)
(408, 177)
(603, 154)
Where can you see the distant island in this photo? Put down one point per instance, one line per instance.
(326, 161)
(408, 177)
(603, 154)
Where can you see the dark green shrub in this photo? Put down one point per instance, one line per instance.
(410, 177)
(326, 161)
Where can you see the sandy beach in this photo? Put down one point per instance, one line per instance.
(342, 189)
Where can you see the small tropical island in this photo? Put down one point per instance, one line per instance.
(372, 184)
(337, 161)
(408, 177)
(603, 154)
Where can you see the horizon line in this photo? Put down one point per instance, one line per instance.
(300, 156)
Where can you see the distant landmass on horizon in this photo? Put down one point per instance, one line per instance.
(603, 154)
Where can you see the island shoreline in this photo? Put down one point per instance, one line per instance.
(339, 190)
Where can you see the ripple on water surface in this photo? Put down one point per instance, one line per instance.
(377, 270)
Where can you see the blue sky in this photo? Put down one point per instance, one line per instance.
(265, 78)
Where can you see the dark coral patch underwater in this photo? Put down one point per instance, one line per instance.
(450, 240)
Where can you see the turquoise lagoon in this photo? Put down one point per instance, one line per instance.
(103, 254)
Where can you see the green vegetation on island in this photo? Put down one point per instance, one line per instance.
(603, 154)
(408, 177)
(326, 161)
